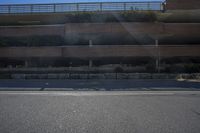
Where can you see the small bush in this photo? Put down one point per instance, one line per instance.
(192, 68)
(150, 68)
(128, 16)
(174, 69)
(118, 70)
(139, 16)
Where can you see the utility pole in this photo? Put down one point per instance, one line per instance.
(157, 56)
(90, 43)
(90, 61)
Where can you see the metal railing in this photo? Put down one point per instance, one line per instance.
(77, 7)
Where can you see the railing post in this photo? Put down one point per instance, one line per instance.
(54, 8)
(31, 6)
(163, 6)
(124, 6)
(101, 6)
(77, 7)
(148, 6)
(9, 8)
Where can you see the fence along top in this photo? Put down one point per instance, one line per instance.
(75, 7)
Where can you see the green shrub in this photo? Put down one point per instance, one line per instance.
(128, 16)
(119, 70)
(179, 68)
(141, 16)
(192, 68)
(150, 68)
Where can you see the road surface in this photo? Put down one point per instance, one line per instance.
(100, 112)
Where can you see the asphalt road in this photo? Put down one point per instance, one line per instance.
(98, 85)
(100, 112)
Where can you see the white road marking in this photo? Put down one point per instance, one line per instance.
(99, 93)
(80, 94)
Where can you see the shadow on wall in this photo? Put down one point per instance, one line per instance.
(97, 39)
(80, 17)
(182, 4)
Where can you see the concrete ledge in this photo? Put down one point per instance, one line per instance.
(107, 76)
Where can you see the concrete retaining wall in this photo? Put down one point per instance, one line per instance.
(86, 52)
(74, 29)
(16, 31)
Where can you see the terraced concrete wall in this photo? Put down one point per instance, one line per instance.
(44, 18)
(17, 31)
(92, 30)
(152, 30)
(99, 32)
(84, 52)
(182, 4)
